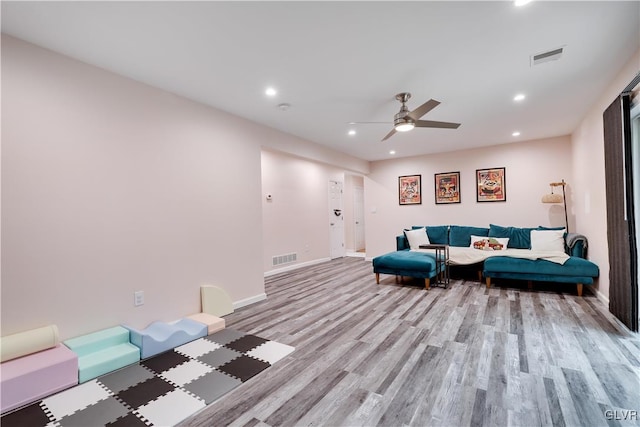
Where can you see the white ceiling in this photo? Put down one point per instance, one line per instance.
(338, 62)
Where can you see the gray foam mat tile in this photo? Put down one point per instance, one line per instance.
(125, 378)
(225, 336)
(100, 414)
(212, 386)
(219, 357)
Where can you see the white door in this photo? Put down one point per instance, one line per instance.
(358, 214)
(336, 220)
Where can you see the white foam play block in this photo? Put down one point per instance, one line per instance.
(214, 323)
(215, 301)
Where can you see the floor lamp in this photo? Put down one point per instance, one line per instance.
(557, 198)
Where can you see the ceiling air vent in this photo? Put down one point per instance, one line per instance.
(551, 55)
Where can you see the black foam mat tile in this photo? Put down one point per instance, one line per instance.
(244, 367)
(164, 362)
(32, 415)
(130, 420)
(246, 343)
(145, 392)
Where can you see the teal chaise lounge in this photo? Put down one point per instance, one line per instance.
(406, 264)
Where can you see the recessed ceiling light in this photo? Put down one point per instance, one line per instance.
(270, 91)
(392, 152)
(521, 2)
(352, 132)
(519, 97)
(516, 133)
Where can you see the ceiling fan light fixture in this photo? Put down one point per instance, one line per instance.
(406, 120)
(404, 126)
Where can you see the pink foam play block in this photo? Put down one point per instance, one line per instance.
(29, 378)
(214, 323)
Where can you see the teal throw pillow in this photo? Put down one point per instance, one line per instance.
(461, 235)
(438, 234)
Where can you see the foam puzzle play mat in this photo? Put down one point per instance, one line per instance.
(161, 390)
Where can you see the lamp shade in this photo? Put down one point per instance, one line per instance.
(552, 198)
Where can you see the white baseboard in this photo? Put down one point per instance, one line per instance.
(295, 266)
(248, 301)
(355, 254)
(601, 296)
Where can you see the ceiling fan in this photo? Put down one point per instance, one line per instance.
(406, 120)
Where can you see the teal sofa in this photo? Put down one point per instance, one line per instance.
(577, 270)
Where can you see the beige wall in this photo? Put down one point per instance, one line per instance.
(296, 219)
(589, 174)
(530, 167)
(110, 186)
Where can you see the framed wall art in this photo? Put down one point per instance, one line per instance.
(447, 187)
(491, 185)
(410, 189)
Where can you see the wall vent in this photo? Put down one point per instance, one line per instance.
(284, 259)
(551, 55)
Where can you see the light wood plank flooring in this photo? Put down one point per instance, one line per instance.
(396, 355)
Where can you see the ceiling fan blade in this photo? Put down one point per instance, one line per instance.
(389, 135)
(432, 124)
(424, 109)
(370, 123)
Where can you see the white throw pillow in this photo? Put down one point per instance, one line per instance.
(547, 240)
(417, 237)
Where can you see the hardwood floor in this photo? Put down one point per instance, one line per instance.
(395, 355)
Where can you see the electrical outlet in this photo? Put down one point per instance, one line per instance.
(138, 298)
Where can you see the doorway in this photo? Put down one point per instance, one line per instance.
(336, 221)
(358, 219)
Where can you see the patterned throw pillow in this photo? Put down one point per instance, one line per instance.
(489, 243)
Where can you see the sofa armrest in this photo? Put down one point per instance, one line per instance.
(577, 245)
(401, 243)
